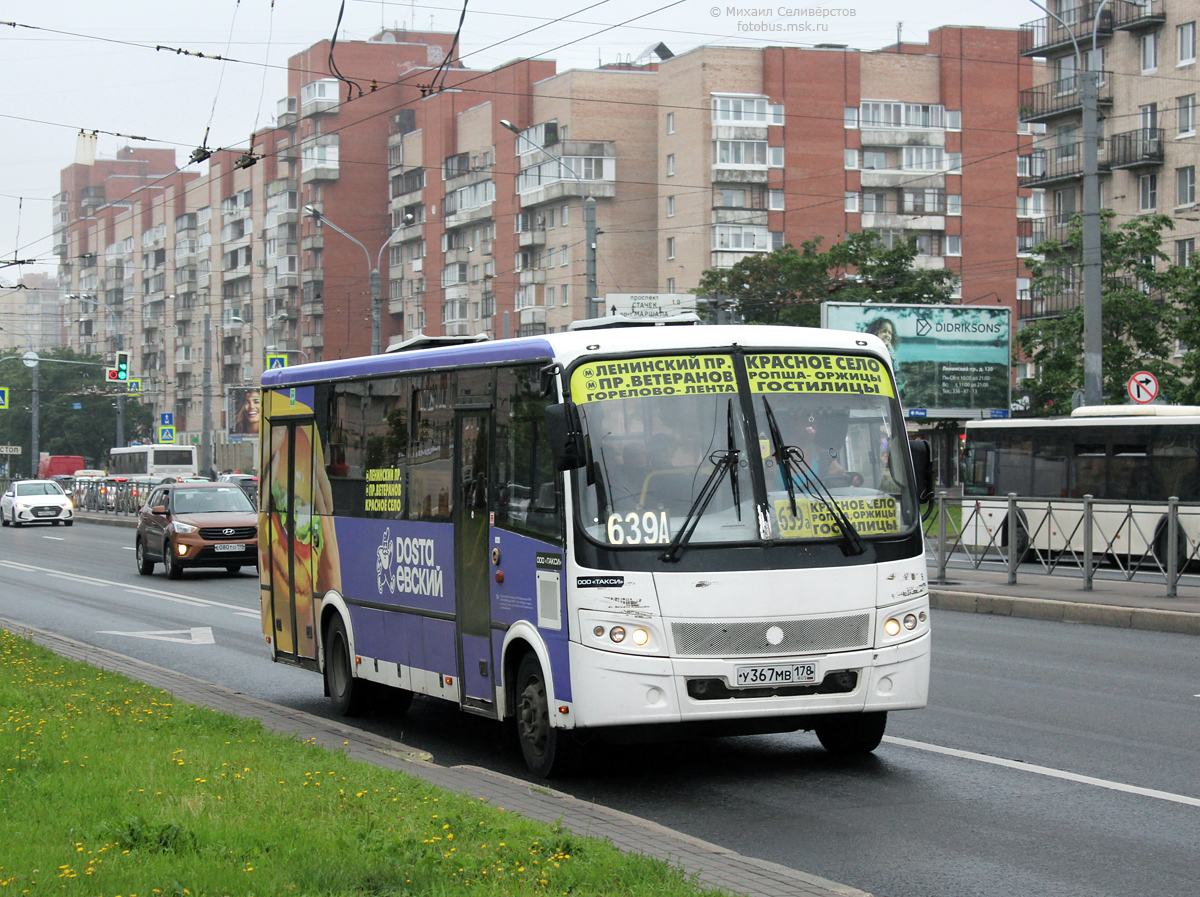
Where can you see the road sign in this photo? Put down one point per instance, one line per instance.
(135, 385)
(276, 361)
(1143, 387)
(10, 450)
(166, 434)
(167, 419)
(3, 397)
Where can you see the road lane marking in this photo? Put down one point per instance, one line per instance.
(197, 635)
(140, 590)
(246, 613)
(1046, 771)
(55, 538)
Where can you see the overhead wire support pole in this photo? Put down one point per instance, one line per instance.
(1087, 83)
(589, 220)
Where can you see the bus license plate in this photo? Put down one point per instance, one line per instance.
(230, 546)
(777, 674)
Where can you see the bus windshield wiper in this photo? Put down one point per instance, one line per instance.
(790, 458)
(723, 462)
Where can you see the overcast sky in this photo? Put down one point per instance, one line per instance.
(74, 65)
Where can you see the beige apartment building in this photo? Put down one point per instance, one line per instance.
(464, 192)
(1148, 151)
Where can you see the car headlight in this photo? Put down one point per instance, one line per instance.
(184, 527)
(22, 506)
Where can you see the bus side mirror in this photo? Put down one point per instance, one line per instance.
(923, 467)
(566, 436)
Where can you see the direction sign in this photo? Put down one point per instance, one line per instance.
(167, 419)
(1143, 387)
(276, 361)
(10, 450)
(3, 397)
(166, 434)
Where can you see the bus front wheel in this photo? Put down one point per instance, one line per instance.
(545, 748)
(347, 693)
(852, 734)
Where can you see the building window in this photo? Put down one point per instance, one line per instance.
(566, 259)
(1185, 186)
(1148, 192)
(876, 114)
(874, 160)
(851, 201)
(739, 152)
(563, 216)
(670, 247)
(924, 158)
(742, 110)
(740, 237)
(775, 200)
(1186, 34)
(670, 206)
(564, 298)
(953, 204)
(670, 164)
(953, 120)
(549, 297)
(775, 156)
(851, 116)
(1150, 52)
(670, 284)
(953, 244)
(874, 203)
(1186, 107)
(670, 122)
(1185, 251)
(852, 159)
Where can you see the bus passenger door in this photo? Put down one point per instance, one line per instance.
(472, 569)
(288, 492)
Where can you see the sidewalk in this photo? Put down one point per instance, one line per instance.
(714, 866)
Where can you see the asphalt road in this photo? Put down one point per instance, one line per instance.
(1054, 759)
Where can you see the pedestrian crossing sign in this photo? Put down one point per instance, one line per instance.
(276, 361)
(166, 434)
(3, 398)
(134, 386)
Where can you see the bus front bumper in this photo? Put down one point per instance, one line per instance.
(612, 689)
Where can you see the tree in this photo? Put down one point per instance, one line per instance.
(1140, 295)
(787, 286)
(63, 429)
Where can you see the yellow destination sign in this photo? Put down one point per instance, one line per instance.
(804, 372)
(871, 516)
(635, 378)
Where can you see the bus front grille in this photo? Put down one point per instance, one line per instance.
(818, 634)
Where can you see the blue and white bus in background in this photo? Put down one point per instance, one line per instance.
(638, 531)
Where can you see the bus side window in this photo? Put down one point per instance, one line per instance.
(528, 497)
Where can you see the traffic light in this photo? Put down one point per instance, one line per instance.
(122, 366)
(110, 374)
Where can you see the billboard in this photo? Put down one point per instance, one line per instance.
(952, 361)
(242, 411)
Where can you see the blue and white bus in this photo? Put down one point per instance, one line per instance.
(631, 531)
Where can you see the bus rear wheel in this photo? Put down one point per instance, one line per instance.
(852, 734)
(347, 693)
(544, 747)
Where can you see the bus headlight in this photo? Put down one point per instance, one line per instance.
(617, 634)
(892, 626)
(903, 622)
(640, 637)
(635, 636)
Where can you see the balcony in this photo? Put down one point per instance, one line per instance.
(287, 112)
(313, 308)
(312, 341)
(1135, 149)
(1060, 163)
(531, 276)
(528, 238)
(1059, 97)
(1047, 306)
(395, 306)
(1137, 16)
(1043, 36)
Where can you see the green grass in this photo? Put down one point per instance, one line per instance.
(953, 520)
(111, 787)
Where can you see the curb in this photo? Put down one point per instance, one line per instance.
(1066, 611)
(712, 865)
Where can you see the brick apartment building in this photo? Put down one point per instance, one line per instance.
(693, 161)
(1148, 151)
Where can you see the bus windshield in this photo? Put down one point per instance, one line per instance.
(662, 460)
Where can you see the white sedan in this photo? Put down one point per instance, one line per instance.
(35, 501)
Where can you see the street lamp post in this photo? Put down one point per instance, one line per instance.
(83, 297)
(30, 360)
(589, 219)
(376, 293)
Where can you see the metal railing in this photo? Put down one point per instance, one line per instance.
(1076, 537)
